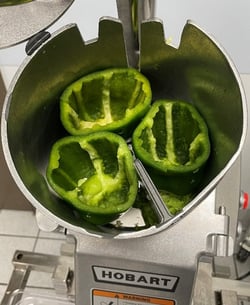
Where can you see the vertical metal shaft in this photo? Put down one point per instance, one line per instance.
(131, 14)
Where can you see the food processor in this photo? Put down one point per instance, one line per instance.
(187, 258)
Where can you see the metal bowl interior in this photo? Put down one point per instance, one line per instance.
(198, 71)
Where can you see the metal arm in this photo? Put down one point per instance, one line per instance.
(132, 13)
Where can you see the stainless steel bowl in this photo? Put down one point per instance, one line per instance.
(198, 71)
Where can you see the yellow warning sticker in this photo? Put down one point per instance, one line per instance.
(104, 297)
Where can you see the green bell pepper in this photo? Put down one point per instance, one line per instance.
(175, 203)
(173, 143)
(111, 100)
(13, 2)
(95, 174)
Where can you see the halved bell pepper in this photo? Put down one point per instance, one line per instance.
(95, 174)
(111, 100)
(173, 143)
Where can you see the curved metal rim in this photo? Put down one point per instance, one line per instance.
(27, 19)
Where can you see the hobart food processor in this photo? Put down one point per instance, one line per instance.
(200, 255)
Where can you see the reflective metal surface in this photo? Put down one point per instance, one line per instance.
(132, 13)
(24, 262)
(21, 21)
(198, 72)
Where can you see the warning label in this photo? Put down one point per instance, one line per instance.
(103, 297)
